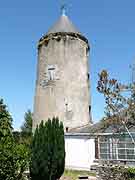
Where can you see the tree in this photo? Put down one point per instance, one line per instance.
(27, 125)
(22, 156)
(24, 136)
(119, 99)
(23, 143)
(7, 161)
(26, 128)
(48, 151)
(13, 156)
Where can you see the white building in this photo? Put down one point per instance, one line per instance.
(80, 148)
(80, 151)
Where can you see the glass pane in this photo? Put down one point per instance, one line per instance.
(121, 151)
(131, 157)
(121, 156)
(103, 150)
(130, 152)
(103, 156)
(130, 145)
(103, 145)
(114, 156)
(121, 145)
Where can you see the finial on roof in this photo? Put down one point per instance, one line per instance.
(63, 8)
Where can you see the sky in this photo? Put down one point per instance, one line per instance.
(109, 25)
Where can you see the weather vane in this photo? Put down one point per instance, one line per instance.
(63, 7)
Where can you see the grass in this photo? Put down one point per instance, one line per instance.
(73, 174)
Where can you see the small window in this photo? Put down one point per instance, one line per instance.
(88, 76)
(66, 129)
(87, 51)
(89, 109)
(51, 73)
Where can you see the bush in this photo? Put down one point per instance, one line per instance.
(48, 151)
(131, 173)
(116, 172)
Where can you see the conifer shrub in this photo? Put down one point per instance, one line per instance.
(48, 151)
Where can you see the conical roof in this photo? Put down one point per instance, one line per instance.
(63, 25)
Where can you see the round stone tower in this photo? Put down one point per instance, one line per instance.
(62, 85)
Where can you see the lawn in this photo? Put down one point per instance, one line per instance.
(73, 175)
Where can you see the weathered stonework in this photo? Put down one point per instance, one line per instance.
(111, 172)
(62, 86)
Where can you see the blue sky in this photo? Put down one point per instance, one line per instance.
(108, 25)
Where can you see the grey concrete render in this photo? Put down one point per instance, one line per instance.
(62, 85)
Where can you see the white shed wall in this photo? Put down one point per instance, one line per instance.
(80, 152)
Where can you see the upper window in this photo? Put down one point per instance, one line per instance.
(51, 73)
(88, 76)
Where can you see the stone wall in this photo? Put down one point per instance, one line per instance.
(111, 172)
(62, 86)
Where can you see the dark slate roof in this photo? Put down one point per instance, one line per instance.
(63, 25)
(101, 127)
(85, 129)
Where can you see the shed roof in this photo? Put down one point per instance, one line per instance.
(102, 126)
(83, 129)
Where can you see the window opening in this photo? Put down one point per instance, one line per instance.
(88, 76)
(89, 109)
(66, 129)
(51, 73)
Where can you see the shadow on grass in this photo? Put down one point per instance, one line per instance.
(74, 174)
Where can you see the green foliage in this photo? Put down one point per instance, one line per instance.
(126, 173)
(13, 156)
(5, 122)
(27, 125)
(48, 151)
(17, 137)
(7, 161)
(26, 129)
(22, 156)
(23, 144)
(131, 173)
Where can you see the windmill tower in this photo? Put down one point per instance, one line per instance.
(62, 85)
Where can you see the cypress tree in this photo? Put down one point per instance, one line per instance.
(7, 161)
(48, 151)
